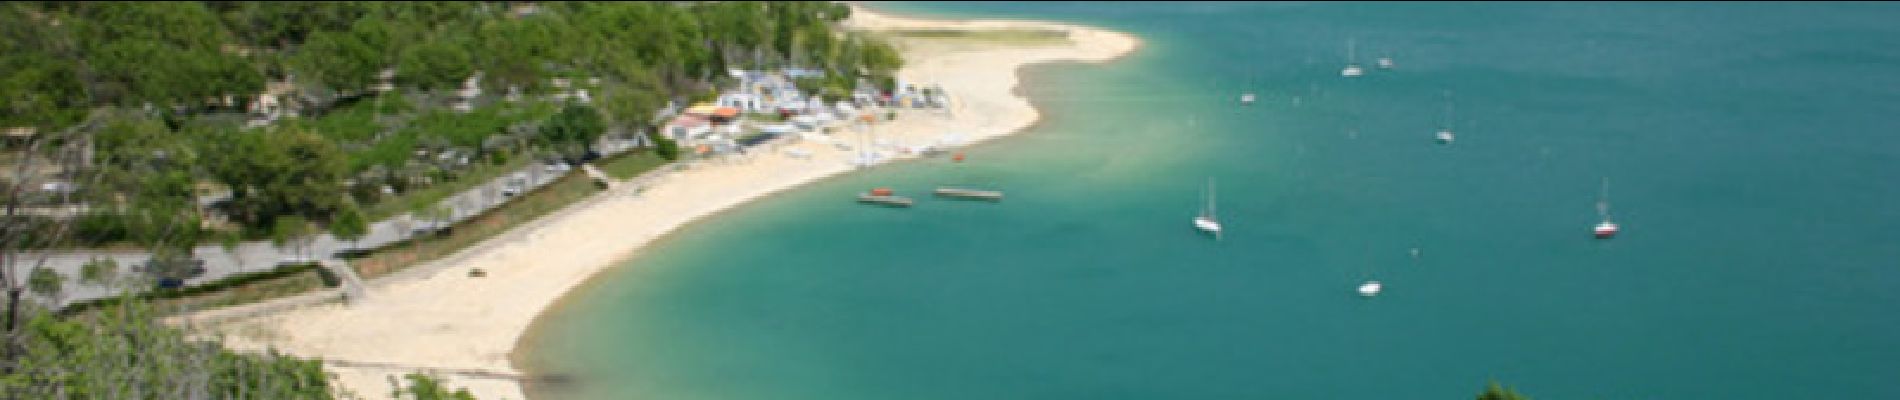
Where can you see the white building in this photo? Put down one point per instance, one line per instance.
(746, 102)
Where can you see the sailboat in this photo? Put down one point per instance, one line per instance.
(1370, 288)
(1352, 65)
(1605, 229)
(1247, 97)
(1444, 135)
(1206, 222)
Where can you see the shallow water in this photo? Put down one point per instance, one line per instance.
(1751, 149)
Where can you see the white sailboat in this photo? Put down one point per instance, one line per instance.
(1444, 135)
(1352, 65)
(1247, 97)
(1206, 222)
(1370, 288)
(1605, 229)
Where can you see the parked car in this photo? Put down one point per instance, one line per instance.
(515, 184)
(176, 269)
(351, 253)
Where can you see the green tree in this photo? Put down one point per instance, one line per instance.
(42, 84)
(291, 233)
(424, 387)
(434, 65)
(573, 131)
(279, 24)
(339, 60)
(288, 172)
(46, 283)
(165, 53)
(99, 272)
(124, 352)
(878, 57)
(1495, 391)
(666, 148)
(514, 51)
(350, 223)
(635, 97)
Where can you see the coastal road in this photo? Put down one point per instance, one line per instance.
(262, 256)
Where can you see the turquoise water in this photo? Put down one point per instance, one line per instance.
(1753, 151)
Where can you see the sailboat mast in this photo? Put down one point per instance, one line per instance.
(1603, 200)
(1447, 110)
(1210, 196)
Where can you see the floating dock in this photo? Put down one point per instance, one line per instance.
(894, 201)
(990, 195)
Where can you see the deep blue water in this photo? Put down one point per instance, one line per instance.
(1753, 151)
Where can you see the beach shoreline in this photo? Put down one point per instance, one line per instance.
(433, 317)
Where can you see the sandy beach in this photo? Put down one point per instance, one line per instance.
(435, 317)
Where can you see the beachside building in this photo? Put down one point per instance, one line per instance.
(686, 129)
(464, 100)
(703, 123)
(747, 102)
(384, 81)
(272, 104)
(525, 9)
(804, 73)
(772, 91)
(17, 136)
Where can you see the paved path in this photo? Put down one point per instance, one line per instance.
(262, 256)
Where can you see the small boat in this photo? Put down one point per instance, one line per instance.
(1607, 228)
(957, 158)
(1444, 135)
(991, 195)
(1246, 98)
(894, 201)
(1385, 62)
(1352, 69)
(1206, 222)
(1370, 288)
(884, 196)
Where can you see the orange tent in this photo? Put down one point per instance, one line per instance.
(725, 112)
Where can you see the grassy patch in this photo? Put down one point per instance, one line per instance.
(394, 257)
(243, 288)
(477, 174)
(630, 164)
(251, 292)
